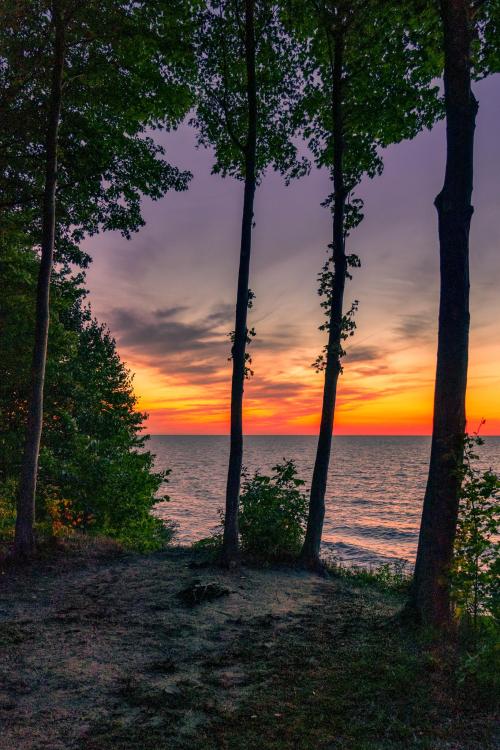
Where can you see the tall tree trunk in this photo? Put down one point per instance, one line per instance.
(230, 549)
(431, 593)
(24, 542)
(311, 547)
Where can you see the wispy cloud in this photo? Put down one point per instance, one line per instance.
(419, 327)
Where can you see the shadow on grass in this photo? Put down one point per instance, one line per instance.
(343, 676)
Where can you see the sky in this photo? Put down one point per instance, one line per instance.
(168, 294)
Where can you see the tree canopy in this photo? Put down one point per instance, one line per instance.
(221, 105)
(127, 72)
(390, 61)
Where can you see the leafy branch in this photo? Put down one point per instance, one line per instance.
(250, 334)
(326, 285)
(476, 564)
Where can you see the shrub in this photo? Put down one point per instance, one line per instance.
(273, 513)
(95, 473)
(211, 545)
(475, 575)
(64, 519)
(475, 579)
(479, 666)
(7, 509)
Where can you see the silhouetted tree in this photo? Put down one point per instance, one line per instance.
(245, 68)
(470, 44)
(365, 87)
(24, 541)
(80, 82)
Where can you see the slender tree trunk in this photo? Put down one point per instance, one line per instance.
(431, 594)
(24, 542)
(230, 550)
(311, 548)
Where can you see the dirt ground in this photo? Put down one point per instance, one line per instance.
(85, 640)
(98, 652)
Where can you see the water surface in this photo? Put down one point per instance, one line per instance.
(374, 497)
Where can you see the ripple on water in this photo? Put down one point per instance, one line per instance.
(374, 497)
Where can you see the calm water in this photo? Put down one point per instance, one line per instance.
(374, 495)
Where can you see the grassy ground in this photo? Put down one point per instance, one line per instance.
(97, 652)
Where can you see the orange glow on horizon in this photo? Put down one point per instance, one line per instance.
(172, 301)
(394, 403)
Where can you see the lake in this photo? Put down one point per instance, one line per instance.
(374, 497)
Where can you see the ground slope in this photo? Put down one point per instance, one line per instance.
(97, 652)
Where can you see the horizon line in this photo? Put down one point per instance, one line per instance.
(295, 434)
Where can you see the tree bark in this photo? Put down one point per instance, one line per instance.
(311, 548)
(24, 542)
(430, 598)
(230, 547)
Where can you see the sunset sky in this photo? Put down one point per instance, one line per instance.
(168, 294)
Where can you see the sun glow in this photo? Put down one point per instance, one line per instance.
(395, 401)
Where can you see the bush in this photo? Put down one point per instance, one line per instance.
(273, 513)
(475, 575)
(95, 474)
(210, 545)
(476, 565)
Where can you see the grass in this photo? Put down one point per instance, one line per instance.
(63, 549)
(351, 678)
(394, 576)
(333, 668)
(345, 676)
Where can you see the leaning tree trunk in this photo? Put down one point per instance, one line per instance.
(24, 542)
(230, 549)
(310, 551)
(431, 592)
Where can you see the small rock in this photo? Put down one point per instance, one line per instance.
(198, 592)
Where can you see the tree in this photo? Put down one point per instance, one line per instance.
(94, 471)
(81, 82)
(365, 86)
(24, 541)
(245, 78)
(469, 30)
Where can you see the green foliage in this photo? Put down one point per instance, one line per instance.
(127, 71)
(95, 472)
(250, 335)
(348, 324)
(475, 574)
(476, 566)
(393, 576)
(273, 513)
(210, 544)
(479, 667)
(485, 47)
(7, 509)
(221, 90)
(272, 516)
(389, 63)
